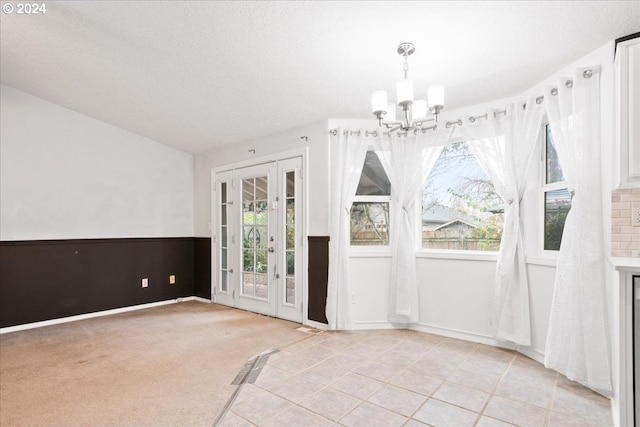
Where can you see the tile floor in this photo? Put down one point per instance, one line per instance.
(408, 378)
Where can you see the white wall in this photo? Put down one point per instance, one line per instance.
(317, 173)
(64, 175)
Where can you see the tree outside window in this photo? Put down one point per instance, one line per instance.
(460, 207)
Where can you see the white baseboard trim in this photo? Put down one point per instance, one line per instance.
(460, 335)
(531, 354)
(51, 322)
(369, 325)
(199, 299)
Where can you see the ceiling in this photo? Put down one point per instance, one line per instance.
(200, 75)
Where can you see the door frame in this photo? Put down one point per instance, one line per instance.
(275, 157)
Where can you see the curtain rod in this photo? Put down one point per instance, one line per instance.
(588, 73)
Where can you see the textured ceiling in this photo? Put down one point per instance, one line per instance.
(197, 75)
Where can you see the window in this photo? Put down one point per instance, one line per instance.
(370, 209)
(460, 207)
(555, 196)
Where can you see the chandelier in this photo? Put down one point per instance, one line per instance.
(414, 112)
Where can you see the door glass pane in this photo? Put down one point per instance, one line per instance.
(291, 263)
(248, 287)
(261, 188)
(247, 212)
(248, 236)
(248, 192)
(261, 286)
(291, 290)
(260, 237)
(224, 244)
(248, 260)
(291, 184)
(255, 237)
(262, 262)
(261, 212)
(290, 238)
(223, 284)
(291, 211)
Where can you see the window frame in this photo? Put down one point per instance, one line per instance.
(543, 190)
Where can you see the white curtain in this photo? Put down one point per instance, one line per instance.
(348, 150)
(577, 336)
(504, 146)
(407, 160)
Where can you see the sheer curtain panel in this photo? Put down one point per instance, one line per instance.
(577, 337)
(407, 159)
(504, 146)
(348, 150)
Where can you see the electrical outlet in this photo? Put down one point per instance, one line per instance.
(172, 279)
(635, 216)
(145, 282)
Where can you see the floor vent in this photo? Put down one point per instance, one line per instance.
(247, 375)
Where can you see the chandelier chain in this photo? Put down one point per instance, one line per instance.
(405, 66)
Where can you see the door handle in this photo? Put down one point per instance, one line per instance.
(271, 249)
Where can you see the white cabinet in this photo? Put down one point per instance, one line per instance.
(628, 111)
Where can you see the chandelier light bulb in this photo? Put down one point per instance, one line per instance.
(419, 109)
(436, 96)
(405, 92)
(379, 101)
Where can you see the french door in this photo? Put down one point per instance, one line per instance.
(257, 238)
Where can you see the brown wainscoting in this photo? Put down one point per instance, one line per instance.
(202, 267)
(49, 279)
(318, 276)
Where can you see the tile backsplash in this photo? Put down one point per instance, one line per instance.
(625, 238)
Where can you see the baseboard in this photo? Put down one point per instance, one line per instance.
(369, 325)
(461, 335)
(43, 323)
(531, 353)
(199, 299)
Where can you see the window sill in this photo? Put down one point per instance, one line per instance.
(460, 255)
